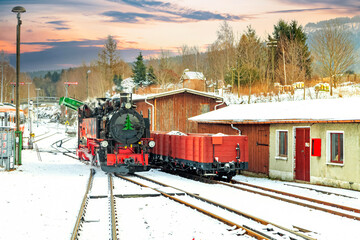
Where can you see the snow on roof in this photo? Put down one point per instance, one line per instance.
(185, 90)
(294, 111)
(193, 75)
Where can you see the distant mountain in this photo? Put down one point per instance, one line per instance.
(352, 24)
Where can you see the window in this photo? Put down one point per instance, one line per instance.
(205, 107)
(282, 143)
(336, 147)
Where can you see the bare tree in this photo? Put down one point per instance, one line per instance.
(333, 50)
(190, 57)
(108, 60)
(221, 54)
(164, 69)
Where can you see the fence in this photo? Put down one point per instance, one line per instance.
(7, 136)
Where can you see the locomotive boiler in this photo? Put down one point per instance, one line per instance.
(114, 135)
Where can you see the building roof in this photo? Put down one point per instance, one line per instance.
(323, 110)
(178, 91)
(193, 75)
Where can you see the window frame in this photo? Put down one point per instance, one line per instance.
(279, 147)
(341, 148)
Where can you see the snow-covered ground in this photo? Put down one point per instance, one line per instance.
(41, 200)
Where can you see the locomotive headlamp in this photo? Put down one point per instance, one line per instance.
(128, 105)
(104, 144)
(152, 144)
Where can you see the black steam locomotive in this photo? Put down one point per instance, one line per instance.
(113, 134)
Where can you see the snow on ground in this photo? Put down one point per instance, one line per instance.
(41, 199)
(327, 226)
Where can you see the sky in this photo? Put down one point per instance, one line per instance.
(58, 34)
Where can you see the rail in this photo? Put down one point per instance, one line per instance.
(81, 214)
(112, 208)
(350, 209)
(248, 230)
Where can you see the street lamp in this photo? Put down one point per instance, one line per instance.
(18, 135)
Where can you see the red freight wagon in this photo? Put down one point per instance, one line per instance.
(205, 154)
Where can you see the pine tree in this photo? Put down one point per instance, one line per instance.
(293, 33)
(128, 125)
(151, 77)
(139, 71)
(117, 81)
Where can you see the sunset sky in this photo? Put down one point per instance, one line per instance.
(58, 34)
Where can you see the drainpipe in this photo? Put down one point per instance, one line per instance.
(232, 126)
(220, 103)
(152, 114)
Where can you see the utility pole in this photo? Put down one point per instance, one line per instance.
(28, 83)
(37, 106)
(272, 44)
(284, 63)
(87, 83)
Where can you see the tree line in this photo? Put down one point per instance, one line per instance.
(286, 56)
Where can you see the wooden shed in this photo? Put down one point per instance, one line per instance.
(169, 111)
(193, 80)
(314, 141)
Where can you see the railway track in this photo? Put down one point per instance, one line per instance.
(347, 212)
(58, 147)
(84, 225)
(250, 225)
(37, 139)
(336, 209)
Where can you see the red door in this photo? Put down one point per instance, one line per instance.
(302, 154)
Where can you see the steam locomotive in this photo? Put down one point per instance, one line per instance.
(113, 134)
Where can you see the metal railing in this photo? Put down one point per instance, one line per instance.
(40, 100)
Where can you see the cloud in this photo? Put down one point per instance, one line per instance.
(69, 53)
(174, 13)
(300, 10)
(350, 6)
(59, 25)
(131, 17)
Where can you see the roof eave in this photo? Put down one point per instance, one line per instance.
(276, 122)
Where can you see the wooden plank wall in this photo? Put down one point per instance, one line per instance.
(258, 137)
(173, 111)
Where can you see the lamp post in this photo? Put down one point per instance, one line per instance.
(18, 135)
